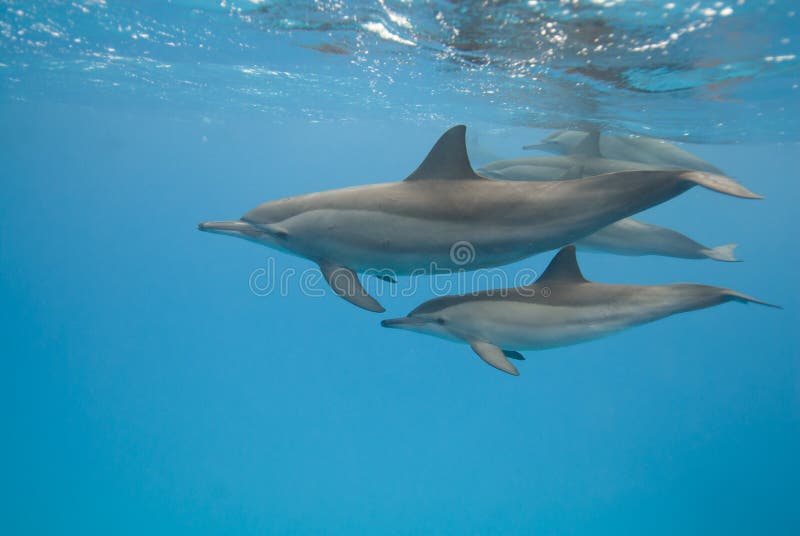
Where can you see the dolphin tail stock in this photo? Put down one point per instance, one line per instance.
(722, 253)
(719, 183)
(732, 295)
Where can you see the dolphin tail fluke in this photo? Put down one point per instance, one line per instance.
(732, 295)
(722, 253)
(345, 284)
(719, 183)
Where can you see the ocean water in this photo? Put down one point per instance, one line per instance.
(149, 386)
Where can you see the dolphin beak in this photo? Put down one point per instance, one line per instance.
(406, 322)
(532, 146)
(546, 146)
(236, 228)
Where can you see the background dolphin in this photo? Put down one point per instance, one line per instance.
(412, 226)
(631, 149)
(582, 160)
(633, 237)
(561, 308)
(627, 236)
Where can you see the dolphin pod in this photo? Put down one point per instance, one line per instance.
(585, 154)
(411, 226)
(559, 309)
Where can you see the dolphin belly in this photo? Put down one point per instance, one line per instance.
(375, 240)
(528, 326)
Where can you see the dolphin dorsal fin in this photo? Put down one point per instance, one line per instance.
(590, 145)
(563, 268)
(447, 160)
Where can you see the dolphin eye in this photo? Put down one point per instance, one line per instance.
(440, 321)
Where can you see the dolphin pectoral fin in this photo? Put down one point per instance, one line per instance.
(494, 356)
(344, 283)
(511, 354)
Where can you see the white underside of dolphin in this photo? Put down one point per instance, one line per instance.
(559, 309)
(411, 226)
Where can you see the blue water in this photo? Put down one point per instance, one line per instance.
(146, 389)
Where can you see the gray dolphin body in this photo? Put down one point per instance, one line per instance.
(559, 309)
(627, 236)
(633, 237)
(412, 226)
(640, 149)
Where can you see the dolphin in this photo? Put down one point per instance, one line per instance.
(556, 168)
(559, 309)
(418, 225)
(633, 237)
(639, 149)
(582, 154)
(625, 237)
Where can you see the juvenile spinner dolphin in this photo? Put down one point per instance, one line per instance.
(559, 309)
(413, 226)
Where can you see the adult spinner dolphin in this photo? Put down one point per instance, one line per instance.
(426, 222)
(559, 309)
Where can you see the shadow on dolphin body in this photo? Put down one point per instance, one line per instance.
(559, 309)
(412, 226)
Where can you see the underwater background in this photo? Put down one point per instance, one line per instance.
(147, 388)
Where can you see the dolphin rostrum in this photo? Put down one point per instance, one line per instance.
(413, 226)
(559, 309)
(624, 237)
